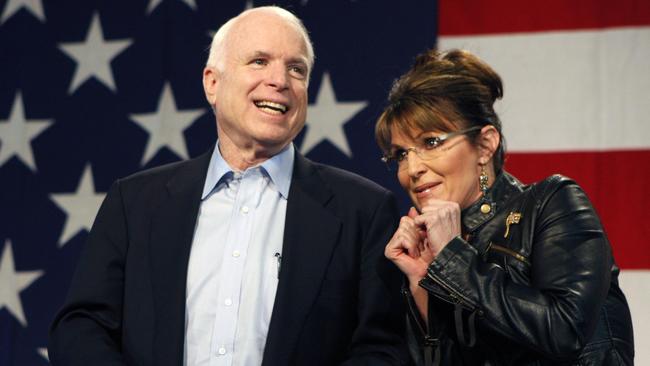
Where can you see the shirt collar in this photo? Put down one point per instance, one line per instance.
(279, 168)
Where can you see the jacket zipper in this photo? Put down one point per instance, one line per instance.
(509, 252)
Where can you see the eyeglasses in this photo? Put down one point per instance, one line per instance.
(428, 149)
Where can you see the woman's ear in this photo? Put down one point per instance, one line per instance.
(488, 142)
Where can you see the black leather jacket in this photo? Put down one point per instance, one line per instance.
(534, 283)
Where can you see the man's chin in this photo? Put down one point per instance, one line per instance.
(270, 147)
(274, 137)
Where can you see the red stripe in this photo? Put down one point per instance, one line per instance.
(618, 184)
(467, 17)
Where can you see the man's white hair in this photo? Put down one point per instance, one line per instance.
(216, 57)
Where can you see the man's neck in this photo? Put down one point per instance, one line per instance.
(240, 159)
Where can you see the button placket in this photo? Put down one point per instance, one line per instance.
(225, 325)
(246, 197)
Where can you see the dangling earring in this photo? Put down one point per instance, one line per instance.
(483, 181)
(486, 207)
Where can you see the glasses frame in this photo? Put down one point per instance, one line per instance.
(440, 138)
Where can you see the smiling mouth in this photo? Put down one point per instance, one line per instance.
(272, 107)
(425, 188)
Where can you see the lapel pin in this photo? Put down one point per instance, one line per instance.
(513, 218)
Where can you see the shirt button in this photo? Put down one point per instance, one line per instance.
(236, 253)
(228, 302)
(244, 209)
(222, 350)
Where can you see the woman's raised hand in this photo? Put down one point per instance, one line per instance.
(408, 248)
(441, 220)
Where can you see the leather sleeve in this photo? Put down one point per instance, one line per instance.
(556, 313)
(87, 330)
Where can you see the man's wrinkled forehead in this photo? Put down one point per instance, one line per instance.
(247, 28)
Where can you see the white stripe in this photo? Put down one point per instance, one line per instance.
(636, 286)
(570, 91)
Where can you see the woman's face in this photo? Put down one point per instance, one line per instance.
(451, 173)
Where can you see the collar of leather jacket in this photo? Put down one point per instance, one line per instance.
(504, 187)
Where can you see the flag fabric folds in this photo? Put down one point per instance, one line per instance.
(576, 102)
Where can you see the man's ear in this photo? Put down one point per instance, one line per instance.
(488, 142)
(210, 81)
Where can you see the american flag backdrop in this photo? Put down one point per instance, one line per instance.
(91, 91)
(577, 102)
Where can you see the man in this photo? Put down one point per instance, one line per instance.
(247, 255)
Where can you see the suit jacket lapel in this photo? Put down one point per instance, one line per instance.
(172, 230)
(310, 235)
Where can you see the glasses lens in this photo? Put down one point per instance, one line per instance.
(429, 149)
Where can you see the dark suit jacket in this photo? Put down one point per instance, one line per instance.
(337, 299)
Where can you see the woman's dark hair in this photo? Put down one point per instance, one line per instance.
(444, 92)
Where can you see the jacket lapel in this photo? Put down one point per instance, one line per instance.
(172, 230)
(310, 235)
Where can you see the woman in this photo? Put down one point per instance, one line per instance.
(499, 273)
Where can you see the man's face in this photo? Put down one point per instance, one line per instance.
(261, 95)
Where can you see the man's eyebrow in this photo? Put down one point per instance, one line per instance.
(261, 54)
(298, 60)
(292, 60)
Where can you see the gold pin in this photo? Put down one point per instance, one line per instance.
(513, 218)
(486, 208)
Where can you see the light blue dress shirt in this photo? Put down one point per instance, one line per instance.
(235, 260)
